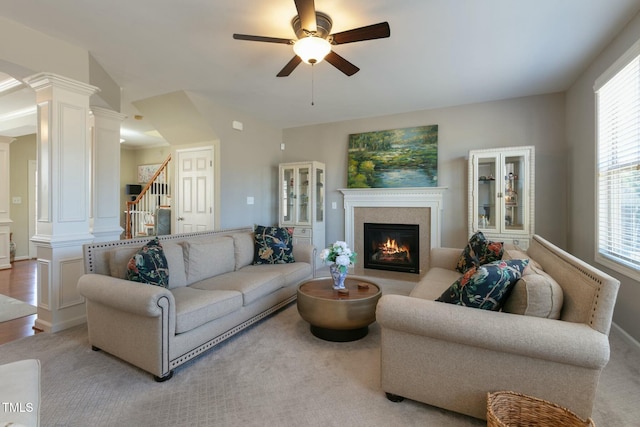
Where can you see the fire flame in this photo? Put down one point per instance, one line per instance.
(391, 247)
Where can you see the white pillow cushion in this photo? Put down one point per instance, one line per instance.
(175, 260)
(244, 249)
(119, 259)
(535, 294)
(208, 258)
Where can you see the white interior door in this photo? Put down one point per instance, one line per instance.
(194, 201)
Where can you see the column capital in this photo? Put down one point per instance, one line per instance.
(106, 113)
(47, 80)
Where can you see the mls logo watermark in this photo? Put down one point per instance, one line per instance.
(17, 407)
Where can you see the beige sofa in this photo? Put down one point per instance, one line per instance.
(451, 356)
(214, 292)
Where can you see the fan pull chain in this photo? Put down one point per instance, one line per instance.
(312, 88)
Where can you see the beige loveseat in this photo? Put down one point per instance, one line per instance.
(214, 292)
(450, 356)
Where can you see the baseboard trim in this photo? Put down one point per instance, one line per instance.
(46, 326)
(631, 340)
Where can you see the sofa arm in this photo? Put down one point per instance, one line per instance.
(444, 258)
(305, 253)
(547, 339)
(124, 295)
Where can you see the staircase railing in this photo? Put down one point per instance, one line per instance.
(141, 214)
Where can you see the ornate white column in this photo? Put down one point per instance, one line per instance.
(5, 200)
(105, 203)
(63, 194)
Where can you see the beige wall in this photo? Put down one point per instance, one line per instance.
(581, 174)
(22, 149)
(535, 120)
(248, 165)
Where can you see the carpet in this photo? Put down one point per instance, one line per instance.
(11, 308)
(273, 374)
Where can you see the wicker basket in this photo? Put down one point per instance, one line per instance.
(508, 409)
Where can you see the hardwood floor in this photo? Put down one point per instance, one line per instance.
(19, 282)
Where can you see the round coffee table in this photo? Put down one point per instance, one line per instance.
(338, 316)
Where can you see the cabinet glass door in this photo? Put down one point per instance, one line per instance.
(303, 195)
(513, 197)
(319, 195)
(288, 195)
(501, 197)
(487, 193)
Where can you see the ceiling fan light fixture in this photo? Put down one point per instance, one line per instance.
(312, 49)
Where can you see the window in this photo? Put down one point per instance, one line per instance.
(618, 165)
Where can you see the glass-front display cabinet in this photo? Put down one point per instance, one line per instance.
(302, 201)
(502, 194)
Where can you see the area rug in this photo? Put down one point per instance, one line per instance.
(11, 308)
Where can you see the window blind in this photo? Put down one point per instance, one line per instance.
(618, 165)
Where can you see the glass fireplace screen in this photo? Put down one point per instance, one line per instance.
(394, 247)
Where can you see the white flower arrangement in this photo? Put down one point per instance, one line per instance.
(340, 254)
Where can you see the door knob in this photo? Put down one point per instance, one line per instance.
(180, 218)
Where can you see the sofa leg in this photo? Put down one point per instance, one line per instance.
(394, 397)
(163, 379)
(94, 348)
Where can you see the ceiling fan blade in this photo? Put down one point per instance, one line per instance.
(291, 65)
(307, 13)
(341, 64)
(370, 32)
(262, 39)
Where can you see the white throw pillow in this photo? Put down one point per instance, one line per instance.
(208, 258)
(535, 294)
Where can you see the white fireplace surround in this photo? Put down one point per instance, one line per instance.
(427, 197)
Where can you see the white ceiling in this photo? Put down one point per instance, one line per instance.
(440, 53)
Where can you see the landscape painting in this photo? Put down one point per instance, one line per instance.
(394, 158)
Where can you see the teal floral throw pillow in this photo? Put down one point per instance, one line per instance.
(486, 286)
(149, 265)
(479, 251)
(273, 245)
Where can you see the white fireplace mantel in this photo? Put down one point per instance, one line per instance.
(427, 197)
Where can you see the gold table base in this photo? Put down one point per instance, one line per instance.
(336, 316)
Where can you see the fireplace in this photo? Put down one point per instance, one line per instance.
(422, 206)
(394, 247)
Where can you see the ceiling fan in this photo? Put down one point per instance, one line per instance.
(314, 41)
